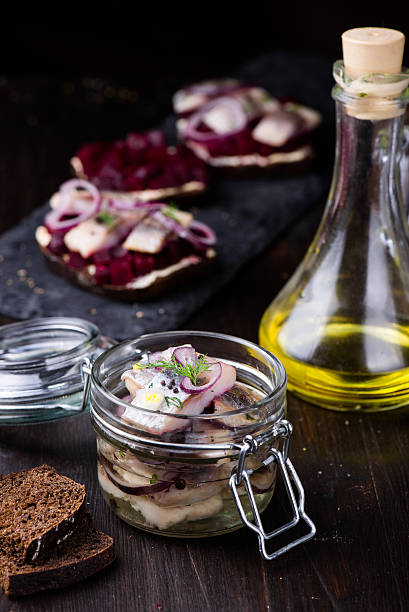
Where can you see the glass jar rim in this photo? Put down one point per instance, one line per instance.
(12, 332)
(275, 364)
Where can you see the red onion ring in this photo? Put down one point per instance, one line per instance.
(194, 121)
(162, 485)
(208, 236)
(212, 375)
(53, 219)
(183, 232)
(185, 355)
(124, 204)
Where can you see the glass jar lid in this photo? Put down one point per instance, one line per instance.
(40, 366)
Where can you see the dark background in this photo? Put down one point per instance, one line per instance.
(150, 44)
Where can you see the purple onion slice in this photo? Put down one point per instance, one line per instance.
(54, 220)
(200, 242)
(132, 204)
(185, 355)
(205, 234)
(162, 485)
(211, 376)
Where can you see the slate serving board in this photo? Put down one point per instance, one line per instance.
(246, 214)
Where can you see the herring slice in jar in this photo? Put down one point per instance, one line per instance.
(176, 382)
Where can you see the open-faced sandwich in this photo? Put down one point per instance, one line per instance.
(122, 248)
(232, 125)
(142, 167)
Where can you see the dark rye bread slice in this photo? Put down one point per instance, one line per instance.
(191, 268)
(38, 508)
(82, 554)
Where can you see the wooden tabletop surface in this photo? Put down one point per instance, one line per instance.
(354, 467)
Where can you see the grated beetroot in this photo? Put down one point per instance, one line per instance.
(57, 244)
(76, 261)
(121, 271)
(141, 161)
(102, 276)
(143, 264)
(102, 257)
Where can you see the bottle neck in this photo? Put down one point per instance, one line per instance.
(368, 152)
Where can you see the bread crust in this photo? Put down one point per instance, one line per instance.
(195, 267)
(18, 582)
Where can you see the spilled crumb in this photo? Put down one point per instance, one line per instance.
(139, 314)
(9, 282)
(39, 290)
(161, 311)
(93, 311)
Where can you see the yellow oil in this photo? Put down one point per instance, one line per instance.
(368, 361)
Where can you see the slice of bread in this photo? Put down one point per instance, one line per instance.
(38, 509)
(82, 554)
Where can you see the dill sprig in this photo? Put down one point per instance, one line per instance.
(173, 401)
(193, 370)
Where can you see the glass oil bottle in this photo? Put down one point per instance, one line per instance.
(341, 323)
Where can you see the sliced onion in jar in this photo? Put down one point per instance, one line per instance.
(185, 355)
(157, 487)
(54, 221)
(211, 376)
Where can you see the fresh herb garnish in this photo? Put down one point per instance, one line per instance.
(192, 370)
(170, 209)
(249, 417)
(105, 217)
(122, 454)
(362, 94)
(150, 386)
(154, 479)
(173, 401)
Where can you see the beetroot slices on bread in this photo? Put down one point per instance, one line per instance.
(141, 166)
(231, 125)
(122, 248)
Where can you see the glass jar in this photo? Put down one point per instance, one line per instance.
(208, 473)
(40, 367)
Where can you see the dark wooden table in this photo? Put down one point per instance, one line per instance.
(354, 467)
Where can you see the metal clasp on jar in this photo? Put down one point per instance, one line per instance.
(241, 475)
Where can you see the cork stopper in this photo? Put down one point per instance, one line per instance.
(372, 50)
(372, 72)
